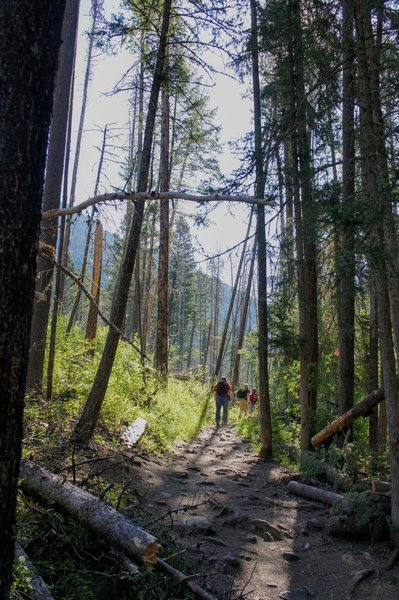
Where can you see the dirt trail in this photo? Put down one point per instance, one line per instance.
(245, 535)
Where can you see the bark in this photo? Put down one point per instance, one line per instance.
(264, 397)
(52, 190)
(305, 230)
(161, 341)
(373, 367)
(346, 259)
(87, 423)
(57, 300)
(380, 251)
(91, 327)
(28, 60)
(90, 512)
(344, 421)
(313, 493)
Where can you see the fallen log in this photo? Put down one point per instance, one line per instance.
(345, 420)
(90, 512)
(38, 590)
(313, 493)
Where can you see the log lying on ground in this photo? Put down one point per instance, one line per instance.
(38, 590)
(313, 493)
(348, 418)
(90, 512)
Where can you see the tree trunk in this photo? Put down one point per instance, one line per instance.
(52, 190)
(243, 320)
(346, 260)
(89, 511)
(31, 35)
(65, 247)
(376, 184)
(373, 366)
(162, 335)
(87, 423)
(91, 327)
(264, 397)
(305, 231)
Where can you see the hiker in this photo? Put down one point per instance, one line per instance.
(243, 394)
(253, 398)
(222, 392)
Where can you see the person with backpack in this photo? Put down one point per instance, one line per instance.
(222, 392)
(243, 394)
(253, 398)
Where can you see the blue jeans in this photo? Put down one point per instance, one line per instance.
(222, 402)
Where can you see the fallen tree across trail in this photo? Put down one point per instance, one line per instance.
(344, 421)
(90, 512)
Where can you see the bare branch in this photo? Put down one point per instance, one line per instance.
(143, 196)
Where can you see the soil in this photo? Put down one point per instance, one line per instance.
(244, 536)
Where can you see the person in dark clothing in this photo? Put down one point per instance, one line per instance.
(223, 393)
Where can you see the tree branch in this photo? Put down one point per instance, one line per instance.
(143, 196)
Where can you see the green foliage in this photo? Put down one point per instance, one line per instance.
(173, 413)
(22, 578)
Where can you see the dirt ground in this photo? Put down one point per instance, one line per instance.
(244, 536)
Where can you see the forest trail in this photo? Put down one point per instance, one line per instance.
(244, 534)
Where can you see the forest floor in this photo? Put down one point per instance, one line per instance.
(241, 532)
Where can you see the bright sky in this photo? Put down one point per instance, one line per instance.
(233, 114)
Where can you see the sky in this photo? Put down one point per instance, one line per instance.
(233, 114)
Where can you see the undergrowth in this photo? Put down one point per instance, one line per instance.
(74, 563)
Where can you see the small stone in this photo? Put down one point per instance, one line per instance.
(290, 556)
(271, 584)
(231, 560)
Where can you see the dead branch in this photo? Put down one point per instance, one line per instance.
(143, 196)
